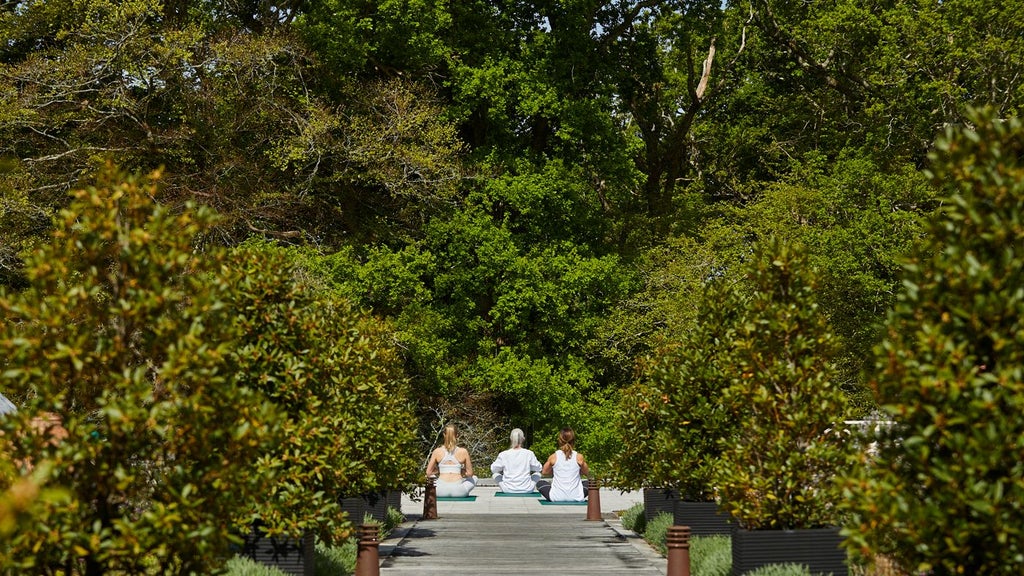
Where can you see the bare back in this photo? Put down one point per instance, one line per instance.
(450, 466)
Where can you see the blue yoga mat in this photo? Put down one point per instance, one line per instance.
(547, 503)
(516, 494)
(456, 498)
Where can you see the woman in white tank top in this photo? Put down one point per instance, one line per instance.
(566, 467)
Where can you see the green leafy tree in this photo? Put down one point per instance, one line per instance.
(240, 114)
(664, 302)
(673, 67)
(856, 221)
(672, 416)
(673, 420)
(86, 81)
(334, 373)
(479, 307)
(119, 335)
(777, 471)
(881, 79)
(364, 38)
(943, 492)
(525, 82)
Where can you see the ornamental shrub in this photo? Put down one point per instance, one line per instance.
(340, 558)
(633, 518)
(335, 374)
(673, 419)
(711, 555)
(784, 396)
(119, 337)
(945, 493)
(656, 532)
(780, 570)
(239, 566)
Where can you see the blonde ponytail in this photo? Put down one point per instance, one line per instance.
(449, 437)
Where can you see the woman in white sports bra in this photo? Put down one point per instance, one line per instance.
(452, 467)
(566, 468)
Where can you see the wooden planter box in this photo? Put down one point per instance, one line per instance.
(817, 549)
(375, 505)
(290, 555)
(703, 518)
(658, 500)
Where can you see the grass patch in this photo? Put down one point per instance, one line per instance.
(711, 555)
(634, 519)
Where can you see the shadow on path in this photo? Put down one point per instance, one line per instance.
(497, 545)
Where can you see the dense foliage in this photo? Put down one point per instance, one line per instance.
(778, 470)
(944, 492)
(334, 375)
(537, 171)
(121, 336)
(674, 420)
(523, 198)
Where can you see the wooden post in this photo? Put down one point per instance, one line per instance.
(678, 543)
(594, 500)
(368, 556)
(430, 500)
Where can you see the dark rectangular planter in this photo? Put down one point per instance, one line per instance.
(703, 518)
(375, 505)
(290, 555)
(818, 549)
(658, 500)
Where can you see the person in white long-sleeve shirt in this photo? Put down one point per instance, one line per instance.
(516, 470)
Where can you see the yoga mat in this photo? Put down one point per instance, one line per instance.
(516, 494)
(547, 503)
(456, 498)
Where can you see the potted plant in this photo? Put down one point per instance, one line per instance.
(944, 492)
(776, 476)
(337, 380)
(672, 420)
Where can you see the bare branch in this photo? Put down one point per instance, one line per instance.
(706, 72)
(60, 155)
(274, 233)
(627, 21)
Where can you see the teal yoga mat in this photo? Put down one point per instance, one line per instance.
(516, 494)
(456, 498)
(547, 503)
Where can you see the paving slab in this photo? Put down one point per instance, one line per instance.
(499, 545)
(501, 536)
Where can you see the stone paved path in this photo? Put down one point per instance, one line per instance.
(494, 545)
(517, 536)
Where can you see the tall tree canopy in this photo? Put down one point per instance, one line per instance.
(531, 191)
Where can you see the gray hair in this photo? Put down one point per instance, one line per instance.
(517, 438)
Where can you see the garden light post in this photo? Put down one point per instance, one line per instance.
(367, 556)
(594, 500)
(430, 500)
(678, 544)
